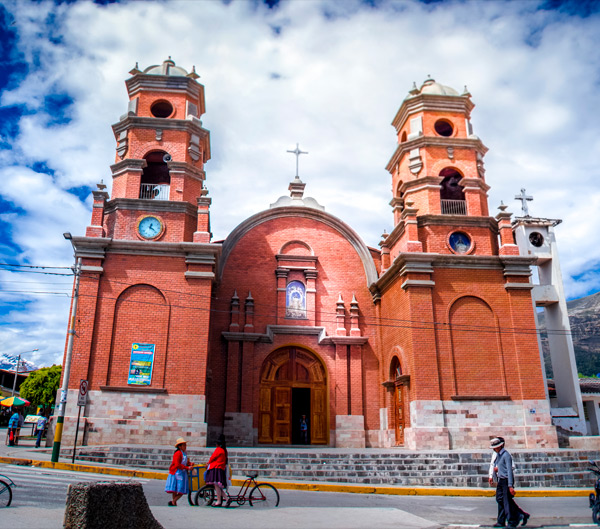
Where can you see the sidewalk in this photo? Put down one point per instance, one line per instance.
(27, 454)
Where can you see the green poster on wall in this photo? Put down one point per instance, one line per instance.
(140, 366)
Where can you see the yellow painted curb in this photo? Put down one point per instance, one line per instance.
(324, 487)
(419, 491)
(125, 472)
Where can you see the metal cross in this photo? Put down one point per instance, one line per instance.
(297, 152)
(524, 198)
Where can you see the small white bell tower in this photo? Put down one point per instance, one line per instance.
(535, 238)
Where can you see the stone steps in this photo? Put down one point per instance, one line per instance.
(555, 468)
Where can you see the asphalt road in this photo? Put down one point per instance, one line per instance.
(39, 501)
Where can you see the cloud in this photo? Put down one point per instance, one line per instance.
(326, 74)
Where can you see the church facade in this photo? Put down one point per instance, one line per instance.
(425, 342)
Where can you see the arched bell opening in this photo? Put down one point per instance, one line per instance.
(293, 384)
(452, 194)
(156, 180)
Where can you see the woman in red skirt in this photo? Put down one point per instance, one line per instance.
(216, 475)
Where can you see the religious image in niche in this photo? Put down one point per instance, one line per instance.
(460, 242)
(296, 302)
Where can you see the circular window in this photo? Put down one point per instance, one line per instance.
(536, 238)
(443, 127)
(460, 242)
(161, 109)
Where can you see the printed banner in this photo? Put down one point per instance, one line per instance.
(140, 367)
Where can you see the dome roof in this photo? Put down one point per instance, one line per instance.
(168, 68)
(431, 87)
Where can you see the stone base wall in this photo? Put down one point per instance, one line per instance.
(350, 431)
(586, 442)
(380, 438)
(238, 429)
(437, 425)
(111, 417)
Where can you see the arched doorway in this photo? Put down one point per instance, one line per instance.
(293, 383)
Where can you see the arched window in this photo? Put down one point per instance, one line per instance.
(395, 369)
(156, 179)
(295, 300)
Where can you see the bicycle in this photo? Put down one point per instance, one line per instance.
(6, 490)
(261, 494)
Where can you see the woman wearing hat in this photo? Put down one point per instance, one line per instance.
(177, 482)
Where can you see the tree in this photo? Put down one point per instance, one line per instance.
(41, 386)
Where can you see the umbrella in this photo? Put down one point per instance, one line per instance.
(14, 401)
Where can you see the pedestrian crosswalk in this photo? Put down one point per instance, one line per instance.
(43, 486)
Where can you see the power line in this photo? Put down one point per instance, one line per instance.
(35, 266)
(379, 322)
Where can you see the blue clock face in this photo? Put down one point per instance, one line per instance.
(150, 227)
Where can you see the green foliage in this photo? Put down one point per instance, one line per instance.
(41, 386)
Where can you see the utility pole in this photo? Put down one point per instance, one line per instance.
(60, 419)
(17, 370)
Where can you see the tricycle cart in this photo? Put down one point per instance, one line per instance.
(196, 481)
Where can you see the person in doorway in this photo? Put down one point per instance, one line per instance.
(505, 492)
(492, 474)
(39, 430)
(14, 423)
(177, 482)
(303, 430)
(216, 471)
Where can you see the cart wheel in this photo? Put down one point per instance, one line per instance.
(592, 500)
(596, 513)
(205, 496)
(191, 499)
(5, 494)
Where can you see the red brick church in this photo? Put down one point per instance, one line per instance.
(415, 343)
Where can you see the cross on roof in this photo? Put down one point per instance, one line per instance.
(297, 152)
(524, 199)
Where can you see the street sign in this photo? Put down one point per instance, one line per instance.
(83, 389)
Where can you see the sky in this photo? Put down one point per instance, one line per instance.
(327, 75)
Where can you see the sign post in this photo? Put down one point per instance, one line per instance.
(81, 401)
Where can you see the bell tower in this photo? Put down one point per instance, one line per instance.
(148, 269)
(438, 178)
(158, 192)
(457, 289)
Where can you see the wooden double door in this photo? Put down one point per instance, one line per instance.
(293, 384)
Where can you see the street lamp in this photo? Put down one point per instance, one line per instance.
(17, 369)
(62, 405)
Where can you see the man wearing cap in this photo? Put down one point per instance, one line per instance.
(507, 509)
(493, 477)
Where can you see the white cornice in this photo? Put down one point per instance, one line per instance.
(164, 83)
(472, 143)
(98, 247)
(149, 122)
(155, 206)
(432, 103)
(295, 330)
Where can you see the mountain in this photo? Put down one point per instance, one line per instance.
(584, 315)
(10, 362)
